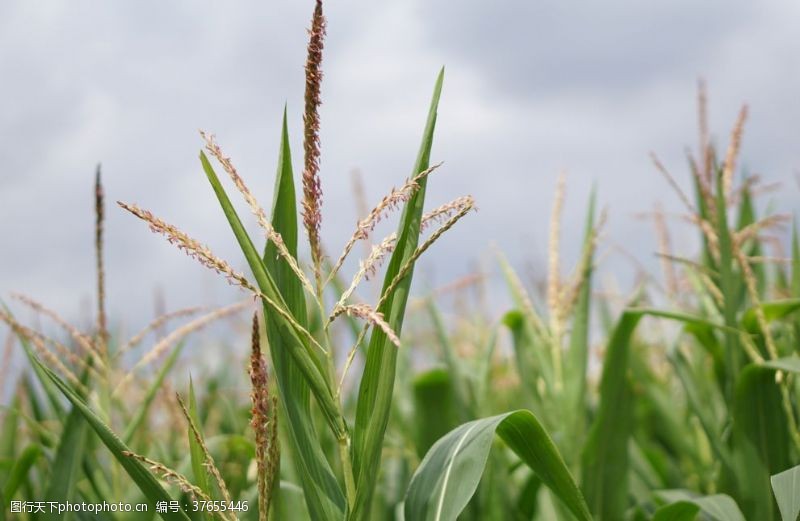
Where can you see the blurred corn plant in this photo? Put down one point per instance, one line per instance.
(719, 418)
(698, 422)
(49, 452)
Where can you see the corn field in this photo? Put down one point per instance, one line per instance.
(681, 404)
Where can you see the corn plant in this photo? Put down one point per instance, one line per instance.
(698, 422)
(59, 461)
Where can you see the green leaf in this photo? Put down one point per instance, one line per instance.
(718, 507)
(20, 469)
(295, 343)
(67, 462)
(678, 511)
(730, 287)
(323, 495)
(701, 407)
(146, 482)
(578, 354)
(377, 382)
(449, 474)
(786, 487)
(605, 457)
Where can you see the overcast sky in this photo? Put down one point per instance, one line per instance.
(531, 88)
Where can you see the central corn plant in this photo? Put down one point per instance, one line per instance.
(304, 356)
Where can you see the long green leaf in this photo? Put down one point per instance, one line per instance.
(578, 354)
(146, 482)
(377, 382)
(701, 408)
(786, 486)
(66, 465)
(605, 457)
(293, 342)
(449, 474)
(323, 495)
(729, 285)
(22, 465)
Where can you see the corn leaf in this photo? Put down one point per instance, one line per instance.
(67, 462)
(449, 474)
(147, 483)
(578, 354)
(27, 458)
(377, 382)
(605, 457)
(323, 495)
(295, 343)
(730, 287)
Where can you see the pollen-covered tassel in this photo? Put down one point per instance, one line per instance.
(312, 190)
(264, 420)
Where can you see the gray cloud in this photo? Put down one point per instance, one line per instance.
(530, 90)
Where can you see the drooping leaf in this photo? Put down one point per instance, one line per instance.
(449, 474)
